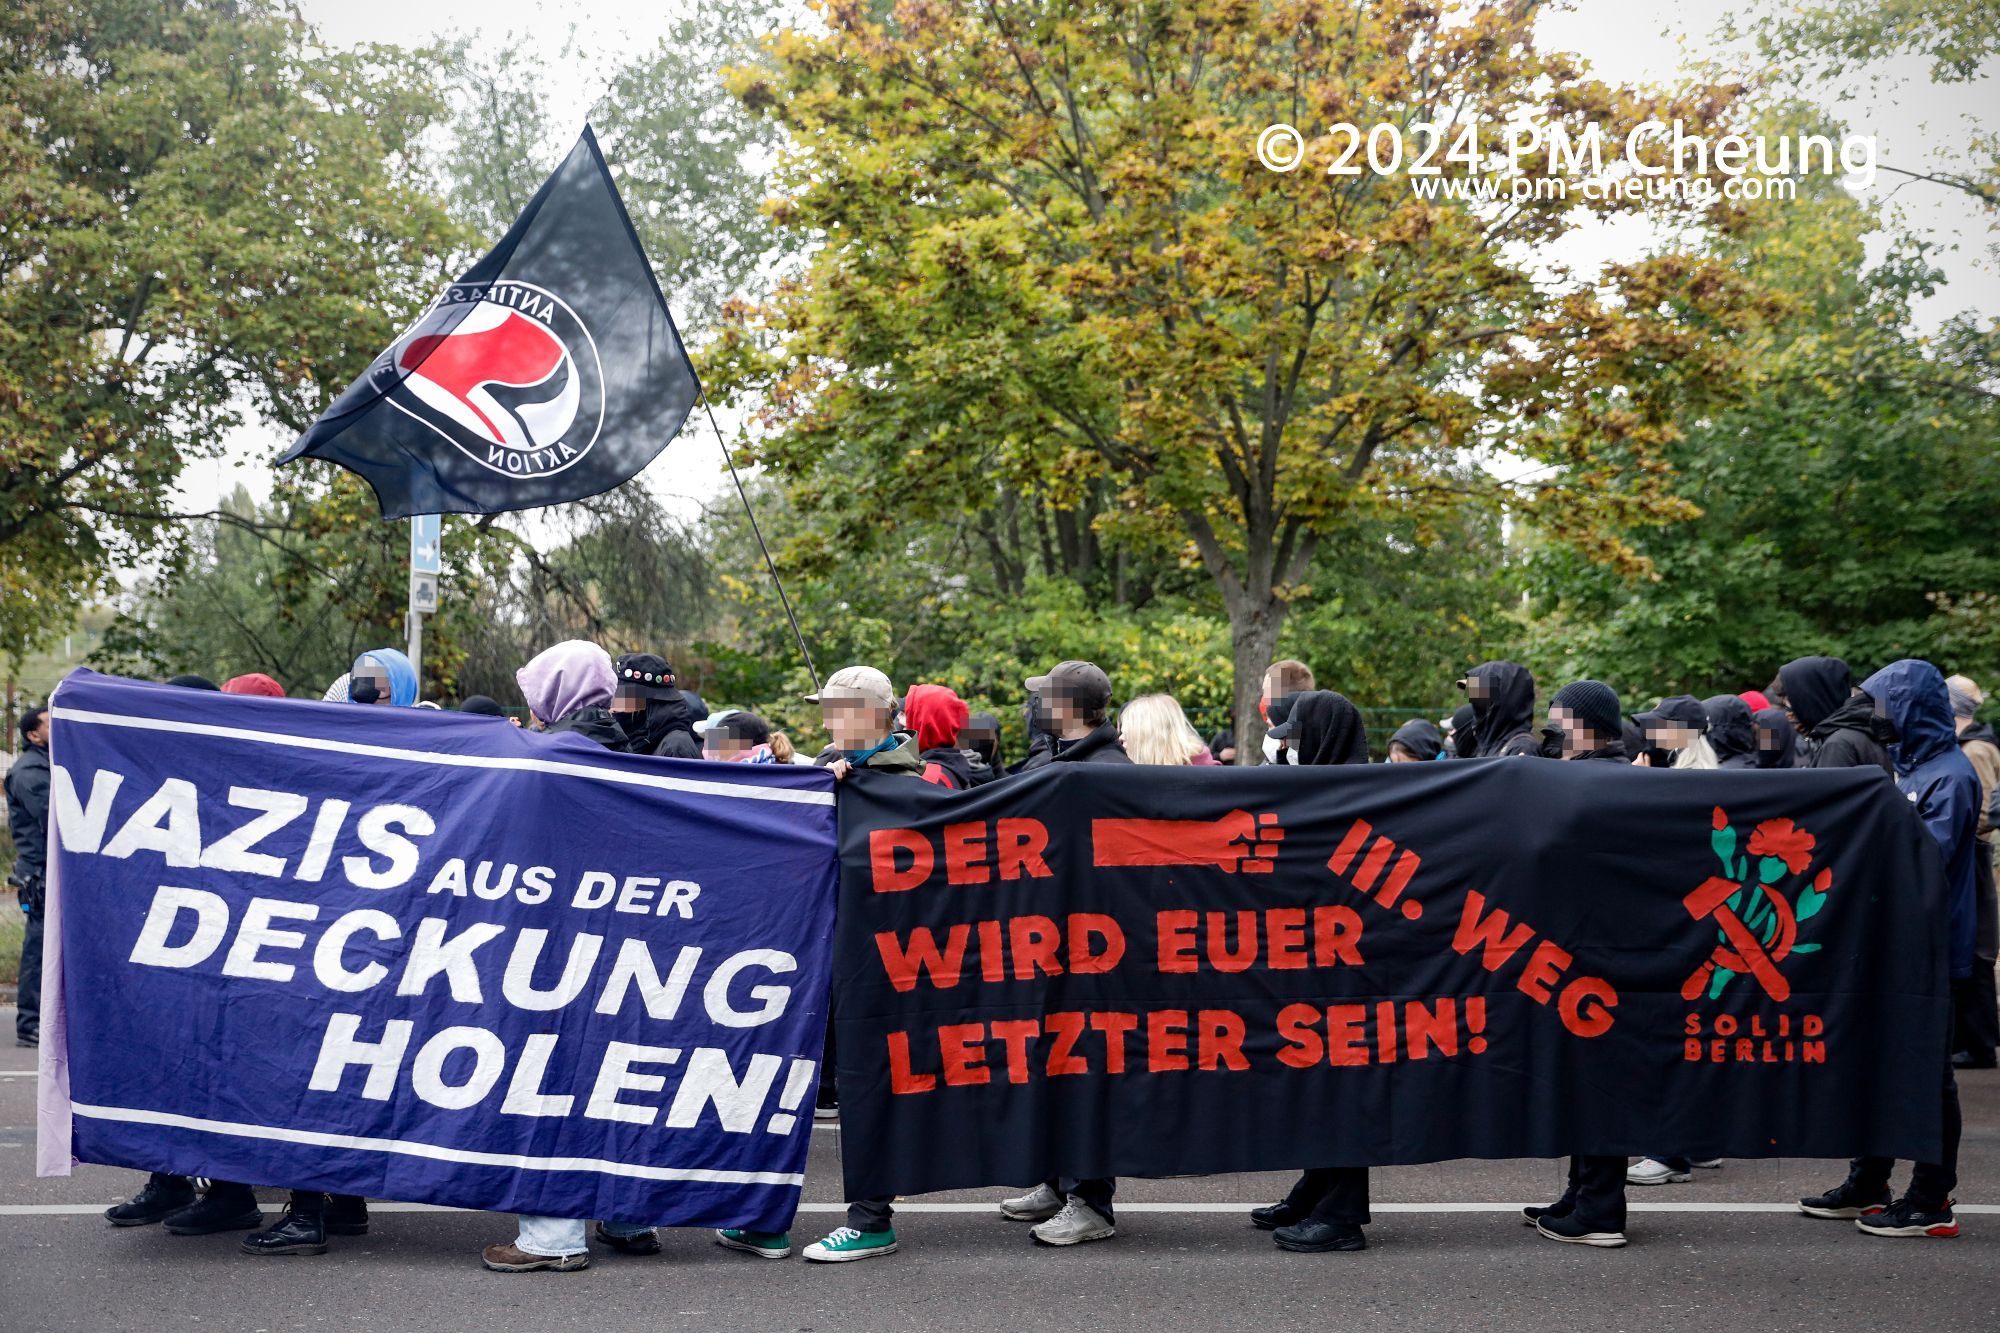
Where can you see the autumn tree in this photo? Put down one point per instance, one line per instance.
(204, 218)
(1052, 280)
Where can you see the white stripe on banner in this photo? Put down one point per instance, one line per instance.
(323, 1140)
(744, 791)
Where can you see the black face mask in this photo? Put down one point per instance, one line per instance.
(632, 724)
(363, 690)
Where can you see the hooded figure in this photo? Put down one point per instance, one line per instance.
(365, 677)
(1420, 737)
(1502, 695)
(1777, 742)
(979, 740)
(1841, 728)
(1323, 728)
(568, 688)
(1731, 732)
(936, 714)
(1464, 732)
(256, 683)
(1938, 779)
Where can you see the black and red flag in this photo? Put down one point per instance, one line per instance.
(550, 371)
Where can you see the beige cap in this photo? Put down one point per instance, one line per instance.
(857, 682)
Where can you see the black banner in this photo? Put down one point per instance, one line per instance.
(1145, 971)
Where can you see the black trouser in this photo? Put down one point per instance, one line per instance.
(872, 1215)
(28, 1021)
(232, 1191)
(1095, 1193)
(828, 1095)
(1978, 1014)
(1332, 1194)
(1931, 1183)
(1596, 1193)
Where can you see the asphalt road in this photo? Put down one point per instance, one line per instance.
(1446, 1252)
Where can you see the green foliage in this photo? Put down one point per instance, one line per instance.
(201, 214)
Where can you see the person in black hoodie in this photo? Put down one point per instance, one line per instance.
(1732, 733)
(1589, 726)
(1777, 739)
(979, 738)
(1416, 741)
(1464, 738)
(651, 712)
(1502, 695)
(1328, 1206)
(1840, 725)
(1075, 699)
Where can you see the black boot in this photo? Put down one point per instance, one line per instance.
(1313, 1237)
(300, 1230)
(163, 1194)
(1274, 1215)
(227, 1206)
(346, 1215)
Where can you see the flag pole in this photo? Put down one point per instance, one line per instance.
(769, 564)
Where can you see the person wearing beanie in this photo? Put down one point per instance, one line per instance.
(1979, 1017)
(1589, 726)
(256, 683)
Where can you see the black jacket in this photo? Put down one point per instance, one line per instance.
(949, 766)
(1613, 753)
(1101, 746)
(1851, 737)
(28, 814)
(668, 729)
(593, 724)
(1731, 731)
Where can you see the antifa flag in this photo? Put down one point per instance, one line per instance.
(429, 956)
(551, 371)
(1152, 971)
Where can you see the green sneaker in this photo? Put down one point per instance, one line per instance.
(845, 1243)
(763, 1244)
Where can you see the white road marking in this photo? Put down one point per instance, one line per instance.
(1977, 1209)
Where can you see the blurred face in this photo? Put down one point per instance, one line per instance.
(1671, 735)
(1767, 739)
(368, 683)
(1576, 737)
(1228, 755)
(1476, 687)
(856, 724)
(978, 738)
(1059, 707)
(720, 744)
(628, 699)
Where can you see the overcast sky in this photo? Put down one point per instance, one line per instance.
(1625, 40)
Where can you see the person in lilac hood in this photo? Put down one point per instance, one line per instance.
(568, 688)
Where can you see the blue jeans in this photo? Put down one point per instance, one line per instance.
(554, 1237)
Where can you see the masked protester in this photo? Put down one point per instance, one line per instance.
(937, 715)
(1464, 735)
(1502, 695)
(1840, 725)
(979, 738)
(382, 676)
(1587, 721)
(1416, 741)
(1732, 734)
(1328, 1206)
(1677, 733)
(1943, 789)
(569, 688)
(1777, 739)
(1979, 1030)
(653, 715)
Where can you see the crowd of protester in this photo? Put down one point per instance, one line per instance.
(1907, 719)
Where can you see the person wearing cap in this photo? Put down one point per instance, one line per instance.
(1075, 698)
(650, 710)
(1678, 728)
(1979, 1017)
(739, 738)
(1732, 732)
(858, 705)
(1588, 725)
(1502, 695)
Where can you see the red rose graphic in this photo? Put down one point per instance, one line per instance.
(1784, 840)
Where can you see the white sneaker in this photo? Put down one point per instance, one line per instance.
(1712, 1164)
(1646, 1171)
(1076, 1223)
(1037, 1205)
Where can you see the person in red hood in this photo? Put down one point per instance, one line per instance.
(936, 714)
(255, 683)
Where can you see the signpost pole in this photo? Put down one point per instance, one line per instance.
(426, 562)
